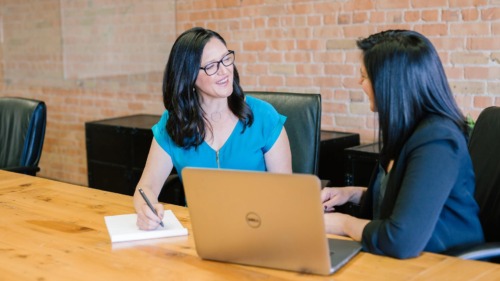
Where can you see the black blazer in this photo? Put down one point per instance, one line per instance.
(429, 201)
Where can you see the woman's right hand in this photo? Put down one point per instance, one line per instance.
(158, 167)
(336, 196)
(146, 219)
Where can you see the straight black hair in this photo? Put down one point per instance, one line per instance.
(409, 83)
(186, 124)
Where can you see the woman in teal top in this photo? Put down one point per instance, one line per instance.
(243, 150)
(208, 121)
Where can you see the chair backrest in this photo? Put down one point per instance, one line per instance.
(484, 148)
(22, 132)
(303, 126)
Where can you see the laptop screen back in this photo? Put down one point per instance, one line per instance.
(257, 218)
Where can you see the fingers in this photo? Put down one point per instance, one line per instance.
(331, 197)
(147, 220)
(328, 209)
(329, 206)
(326, 194)
(146, 224)
(159, 211)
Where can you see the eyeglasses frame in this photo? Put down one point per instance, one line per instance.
(220, 62)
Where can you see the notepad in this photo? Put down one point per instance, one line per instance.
(123, 228)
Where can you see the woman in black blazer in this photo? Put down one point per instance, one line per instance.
(421, 197)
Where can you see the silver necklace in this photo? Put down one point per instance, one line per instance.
(216, 116)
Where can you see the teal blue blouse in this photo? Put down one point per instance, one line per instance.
(242, 150)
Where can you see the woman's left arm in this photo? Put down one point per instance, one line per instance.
(345, 225)
(431, 171)
(279, 157)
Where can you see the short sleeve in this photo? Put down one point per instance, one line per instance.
(267, 119)
(161, 135)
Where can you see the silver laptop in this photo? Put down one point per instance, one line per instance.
(262, 219)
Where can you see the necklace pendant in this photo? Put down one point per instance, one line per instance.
(216, 116)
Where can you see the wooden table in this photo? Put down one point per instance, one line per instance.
(55, 231)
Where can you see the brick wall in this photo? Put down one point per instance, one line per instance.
(301, 46)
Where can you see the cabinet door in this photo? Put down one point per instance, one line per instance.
(331, 155)
(141, 142)
(109, 157)
(360, 163)
(109, 144)
(114, 178)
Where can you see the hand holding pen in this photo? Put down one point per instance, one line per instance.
(150, 205)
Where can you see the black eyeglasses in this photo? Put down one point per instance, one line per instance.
(212, 68)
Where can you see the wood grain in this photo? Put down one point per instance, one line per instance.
(56, 231)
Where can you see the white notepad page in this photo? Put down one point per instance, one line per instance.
(123, 228)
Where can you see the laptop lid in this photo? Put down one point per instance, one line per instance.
(261, 219)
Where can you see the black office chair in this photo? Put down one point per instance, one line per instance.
(484, 148)
(303, 126)
(22, 132)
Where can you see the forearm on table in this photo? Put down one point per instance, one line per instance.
(353, 227)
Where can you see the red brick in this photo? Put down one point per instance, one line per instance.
(314, 20)
(470, 14)
(360, 17)
(429, 30)
(476, 28)
(281, 45)
(430, 15)
(491, 14)
(309, 69)
(450, 15)
(412, 15)
(483, 101)
(429, 4)
(269, 80)
(255, 46)
(467, 3)
(391, 4)
(296, 81)
(337, 108)
(480, 43)
(297, 57)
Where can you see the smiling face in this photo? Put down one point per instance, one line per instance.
(220, 84)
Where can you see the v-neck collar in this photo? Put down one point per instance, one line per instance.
(235, 128)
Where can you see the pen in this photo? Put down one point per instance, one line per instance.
(149, 204)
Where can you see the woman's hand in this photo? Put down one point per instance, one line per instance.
(345, 225)
(336, 196)
(146, 219)
(334, 223)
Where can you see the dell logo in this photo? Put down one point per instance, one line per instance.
(253, 220)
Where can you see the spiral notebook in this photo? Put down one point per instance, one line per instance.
(123, 228)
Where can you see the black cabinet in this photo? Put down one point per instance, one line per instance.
(331, 155)
(117, 150)
(359, 163)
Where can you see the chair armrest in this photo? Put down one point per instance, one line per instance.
(23, 170)
(477, 252)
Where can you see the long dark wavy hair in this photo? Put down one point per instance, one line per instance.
(186, 123)
(409, 83)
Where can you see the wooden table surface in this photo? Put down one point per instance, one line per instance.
(55, 231)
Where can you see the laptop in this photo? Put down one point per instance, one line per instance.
(262, 219)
